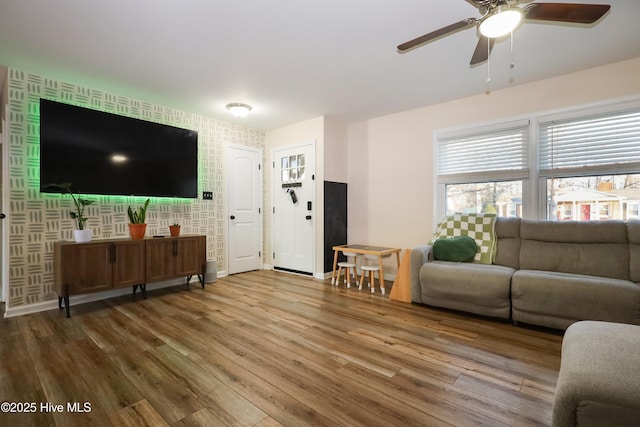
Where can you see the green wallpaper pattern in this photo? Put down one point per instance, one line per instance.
(37, 220)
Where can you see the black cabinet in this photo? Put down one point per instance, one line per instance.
(335, 220)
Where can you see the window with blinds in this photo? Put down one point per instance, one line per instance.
(496, 154)
(603, 143)
(483, 170)
(581, 164)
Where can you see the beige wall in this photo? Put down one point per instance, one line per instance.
(390, 158)
(335, 151)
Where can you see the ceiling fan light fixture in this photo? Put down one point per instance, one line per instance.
(500, 22)
(238, 109)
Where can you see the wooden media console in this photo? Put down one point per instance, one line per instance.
(101, 265)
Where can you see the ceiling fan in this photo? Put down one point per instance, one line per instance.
(501, 17)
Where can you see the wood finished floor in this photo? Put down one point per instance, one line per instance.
(268, 349)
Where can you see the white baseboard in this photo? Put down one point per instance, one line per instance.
(97, 296)
(325, 276)
(30, 308)
(81, 299)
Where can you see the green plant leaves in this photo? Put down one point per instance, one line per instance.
(138, 216)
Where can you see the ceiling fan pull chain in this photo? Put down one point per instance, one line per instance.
(488, 63)
(512, 65)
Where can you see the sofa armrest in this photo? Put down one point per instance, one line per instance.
(419, 256)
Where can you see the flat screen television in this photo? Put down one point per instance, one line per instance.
(103, 153)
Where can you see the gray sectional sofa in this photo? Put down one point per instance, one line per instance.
(547, 273)
(599, 380)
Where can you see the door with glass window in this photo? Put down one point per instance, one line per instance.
(294, 208)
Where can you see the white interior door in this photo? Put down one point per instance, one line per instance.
(245, 209)
(294, 208)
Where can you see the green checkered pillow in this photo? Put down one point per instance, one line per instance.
(480, 227)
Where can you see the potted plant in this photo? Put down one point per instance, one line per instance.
(174, 229)
(137, 225)
(81, 234)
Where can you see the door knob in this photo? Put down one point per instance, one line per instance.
(232, 217)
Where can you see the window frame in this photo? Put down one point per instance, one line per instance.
(505, 174)
(632, 206)
(534, 184)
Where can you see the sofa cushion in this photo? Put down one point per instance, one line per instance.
(574, 231)
(597, 248)
(603, 260)
(557, 300)
(508, 247)
(476, 288)
(599, 380)
(456, 249)
(480, 227)
(633, 230)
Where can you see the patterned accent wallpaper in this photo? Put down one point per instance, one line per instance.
(38, 220)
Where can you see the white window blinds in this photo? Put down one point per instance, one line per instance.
(602, 143)
(493, 155)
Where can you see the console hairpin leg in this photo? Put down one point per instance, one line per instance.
(64, 297)
(143, 290)
(200, 279)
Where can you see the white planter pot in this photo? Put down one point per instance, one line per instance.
(82, 236)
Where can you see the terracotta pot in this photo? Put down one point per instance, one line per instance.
(137, 231)
(174, 230)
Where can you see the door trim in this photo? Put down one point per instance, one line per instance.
(275, 177)
(260, 202)
(4, 207)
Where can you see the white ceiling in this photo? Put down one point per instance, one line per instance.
(293, 60)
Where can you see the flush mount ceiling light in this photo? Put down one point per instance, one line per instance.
(500, 22)
(238, 109)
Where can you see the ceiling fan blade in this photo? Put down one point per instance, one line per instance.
(566, 12)
(444, 31)
(483, 48)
